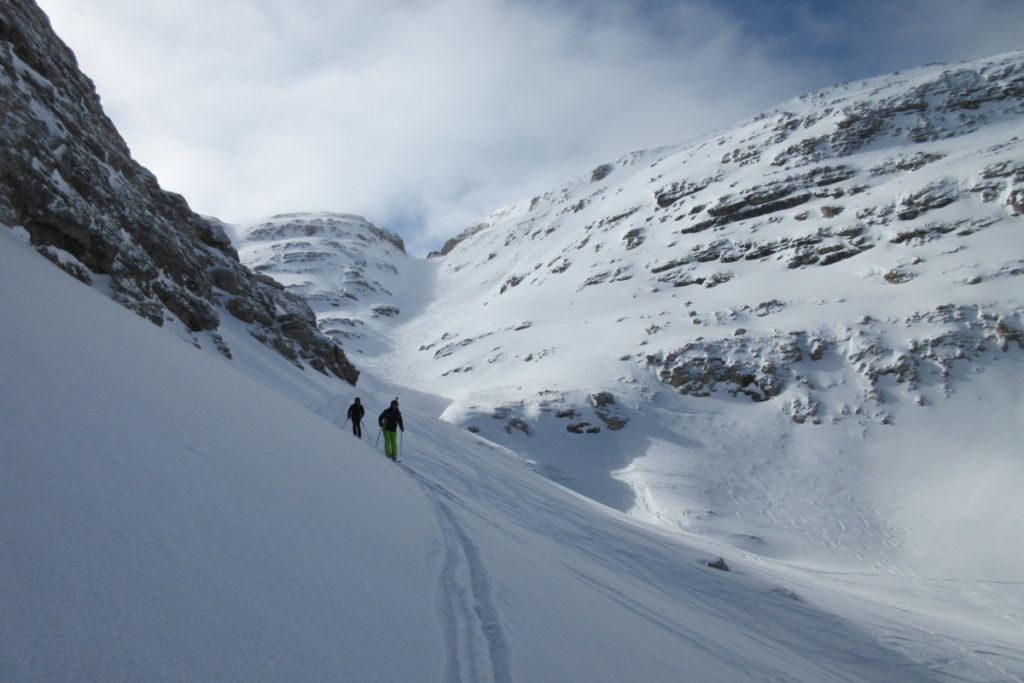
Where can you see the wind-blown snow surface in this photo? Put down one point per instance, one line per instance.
(163, 516)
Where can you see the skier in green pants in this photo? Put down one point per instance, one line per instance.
(390, 422)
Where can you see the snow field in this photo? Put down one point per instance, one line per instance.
(166, 517)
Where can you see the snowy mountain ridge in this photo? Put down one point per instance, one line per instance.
(738, 261)
(850, 258)
(846, 202)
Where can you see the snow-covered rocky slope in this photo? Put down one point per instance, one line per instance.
(833, 256)
(698, 335)
(343, 266)
(164, 517)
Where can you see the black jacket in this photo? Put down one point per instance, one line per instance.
(391, 420)
(356, 412)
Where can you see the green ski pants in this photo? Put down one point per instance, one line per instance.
(390, 444)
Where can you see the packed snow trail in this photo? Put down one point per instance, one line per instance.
(476, 647)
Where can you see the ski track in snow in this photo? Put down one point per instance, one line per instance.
(476, 646)
(479, 651)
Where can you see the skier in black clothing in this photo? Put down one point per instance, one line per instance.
(355, 413)
(390, 422)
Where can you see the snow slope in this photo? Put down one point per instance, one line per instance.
(799, 338)
(166, 517)
(800, 335)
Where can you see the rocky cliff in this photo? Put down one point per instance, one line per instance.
(69, 179)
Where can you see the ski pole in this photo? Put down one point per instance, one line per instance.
(401, 438)
(378, 439)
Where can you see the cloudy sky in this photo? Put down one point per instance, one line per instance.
(424, 116)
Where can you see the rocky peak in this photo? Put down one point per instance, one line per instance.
(345, 267)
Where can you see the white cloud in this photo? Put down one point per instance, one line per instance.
(420, 114)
